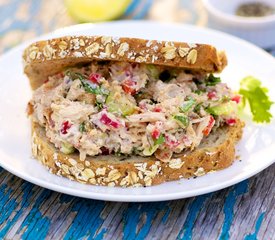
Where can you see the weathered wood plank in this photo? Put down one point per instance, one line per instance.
(257, 204)
(244, 210)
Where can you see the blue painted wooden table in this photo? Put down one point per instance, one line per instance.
(243, 211)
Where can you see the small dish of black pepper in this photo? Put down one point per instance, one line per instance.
(252, 20)
(254, 9)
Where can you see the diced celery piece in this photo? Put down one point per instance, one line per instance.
(182, 120)
(187, 105)
(153, 70)
(149, 151)
(120, 104)
(222, 109)
(67, 148)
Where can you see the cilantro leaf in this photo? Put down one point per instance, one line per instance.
(197, 107)
(82, 127)
(160, 140)
(91, 88)
(212, 80)
(256, 96)
(199, 92)
(100, 105)
(88, 87)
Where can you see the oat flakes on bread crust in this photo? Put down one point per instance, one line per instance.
(45, 58)
(216, 152)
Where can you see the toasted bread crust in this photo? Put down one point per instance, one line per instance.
(214, 154)
(45, 58)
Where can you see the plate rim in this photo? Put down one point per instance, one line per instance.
(138, 198)
(127, 197)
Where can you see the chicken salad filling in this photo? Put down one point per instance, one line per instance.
(126, 108)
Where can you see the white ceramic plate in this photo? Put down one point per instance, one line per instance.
(257, 148)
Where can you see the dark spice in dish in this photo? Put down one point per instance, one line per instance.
(254, 9)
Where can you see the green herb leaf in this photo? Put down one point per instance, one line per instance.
(91, 88)
(197, 107)
(187, 105)
(82, 127)
(183, 120)
(212, 80)
(252, 92)
(99, 105)
(88, 87)
(199, 92)
(135, 151)
(118, 154)
(149, 151)
(197, 82)
(160, 140)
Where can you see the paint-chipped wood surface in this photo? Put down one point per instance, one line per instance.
(243, 211)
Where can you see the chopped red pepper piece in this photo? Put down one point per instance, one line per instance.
(231, 121)
(127, 86)
(157, 109)
(65, 127)
(212, 95)
(236, 98)
(108, 121)
(209, 127)
(94, 77)
(171, 143)
(155, 133)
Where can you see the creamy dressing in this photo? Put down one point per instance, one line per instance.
(131, 109)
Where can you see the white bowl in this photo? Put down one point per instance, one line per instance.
(258, 30)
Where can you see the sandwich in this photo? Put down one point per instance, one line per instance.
(130, 112)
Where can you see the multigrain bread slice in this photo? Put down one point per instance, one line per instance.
(45, 58)
(217, 151)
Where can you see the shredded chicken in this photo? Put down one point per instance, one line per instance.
(147, 117)
(113, 108)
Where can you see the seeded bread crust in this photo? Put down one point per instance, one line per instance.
(44, 58)
(215, 152)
